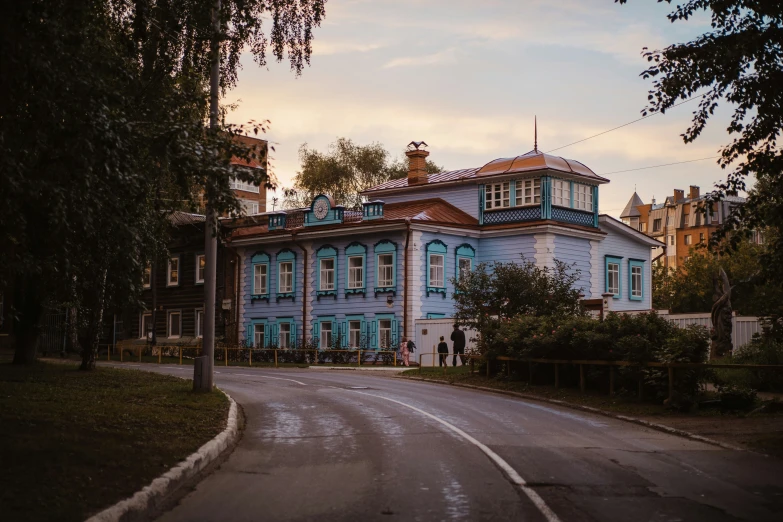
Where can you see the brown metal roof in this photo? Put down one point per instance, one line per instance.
(434, 209)
(440, 177)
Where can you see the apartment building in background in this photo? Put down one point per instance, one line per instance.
(679, 222)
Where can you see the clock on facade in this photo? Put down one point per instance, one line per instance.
(321, 208)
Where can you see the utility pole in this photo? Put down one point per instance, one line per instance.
(203, 369)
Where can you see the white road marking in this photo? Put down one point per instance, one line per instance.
(268, 377)
(504, 466)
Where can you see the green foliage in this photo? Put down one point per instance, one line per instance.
(735, 397)
(343, 172)
(491, 294)
(738, 61)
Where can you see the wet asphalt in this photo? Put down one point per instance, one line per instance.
(354, 446)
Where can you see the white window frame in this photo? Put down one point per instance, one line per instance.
(169, 315)
(258, 337)
(237, 184)
(528, 192)
(289, 274)
(497, 195)
(325, 335)
(260, 289)
(671, 240)
(437, 270)
(688, 239)
(199, 323)
(354, 334)
(385, 280)
(250, 207)
(657, 224)
(356, 273)
(636, 281)
(280, 336)
(326, 275)
(381, 330)
(200, 271)
(583, 197)
(460, 272)
(613, 274)
(561, 193)
(169, 271)
(143, 334)
(148, 276)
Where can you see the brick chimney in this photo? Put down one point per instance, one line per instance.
(678, 195)
(694, 192)
(417, 163)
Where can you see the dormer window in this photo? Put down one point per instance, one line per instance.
(497, 195)
(583, 197)
(528, 192)
(561, 193)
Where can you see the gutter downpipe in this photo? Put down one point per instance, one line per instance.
(406, 292)
(304, 284)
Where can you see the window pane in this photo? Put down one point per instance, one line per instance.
(174, 324)
(613, 273)
(258, 335)
(385, 270)
(356, 272)
(384, 333)
(326, 334)
(201, 263)
(285, 335)
(260, 279)
(286, 282)
(436, 270)
(199, 323)
(173, 270)
(464, 267)
(327, 274)
(354, 334)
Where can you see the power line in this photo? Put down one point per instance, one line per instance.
(657, 166)
(624, 124)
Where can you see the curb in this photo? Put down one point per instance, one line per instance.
(153, 496)
(589, 409)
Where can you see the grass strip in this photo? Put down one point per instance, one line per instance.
(77, 442)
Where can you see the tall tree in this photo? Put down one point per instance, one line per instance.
(738, 62)
(343, 172)
(102, 112)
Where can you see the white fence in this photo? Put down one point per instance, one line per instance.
(742, 328)
(428, 333)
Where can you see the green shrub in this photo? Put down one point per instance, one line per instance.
(736, 398)
(761, 350)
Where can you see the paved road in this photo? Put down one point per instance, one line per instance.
(348, 446)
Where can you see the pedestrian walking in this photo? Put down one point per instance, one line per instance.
(405, 352)
(443, 352)
(458, 338)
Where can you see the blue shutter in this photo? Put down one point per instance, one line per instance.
(266, 335)
(250, 337)
(363, 335)
(316, 334)
(275, 338)
(374, 334)
(395, 340)
(293, 334)
(345, 335)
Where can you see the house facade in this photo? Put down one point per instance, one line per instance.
(328, 276)
(680, 222)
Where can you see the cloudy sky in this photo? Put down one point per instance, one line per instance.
(468, 77)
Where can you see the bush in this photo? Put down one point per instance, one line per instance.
(761, 350)
(736, 398)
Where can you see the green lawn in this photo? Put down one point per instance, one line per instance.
(76, 442)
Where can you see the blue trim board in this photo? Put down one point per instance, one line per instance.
(631, 264)
(619, 262)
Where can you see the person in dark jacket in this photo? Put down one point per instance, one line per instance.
(458, 338)
(443, 352)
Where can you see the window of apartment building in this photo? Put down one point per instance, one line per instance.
(561, 193)
(172, 271)
(326, 338)
(636, 279)
(528, 192)
(145, 326)
(657, 225)
(201, 265)
(643, 227)
(497, 195)
(354, 334)
(285, 284)
(250, 207)
(356, 272)
(259, 335)
(688, 239)
(326, 274)
(284, 335)
(199, 323)
(613, 275)
(701, 237)
(671, 240)
(583, 197)
(237, 184)
(146, 276)
(174, 324)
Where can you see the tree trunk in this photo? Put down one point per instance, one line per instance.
(91, 340)
(29, 310)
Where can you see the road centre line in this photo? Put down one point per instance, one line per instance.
(504, 466)
(267, 377)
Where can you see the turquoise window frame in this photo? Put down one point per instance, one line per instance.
(632, 263)
(250, 333)
(386, 246)
(284, 256)
(335, 332)
(355, 249)
(275, 332)
(437, 247)
(376, 331)
(619, 262)
(436, 316)
(326, 252)
(464, 251)
(363, 334)
(260, 258)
